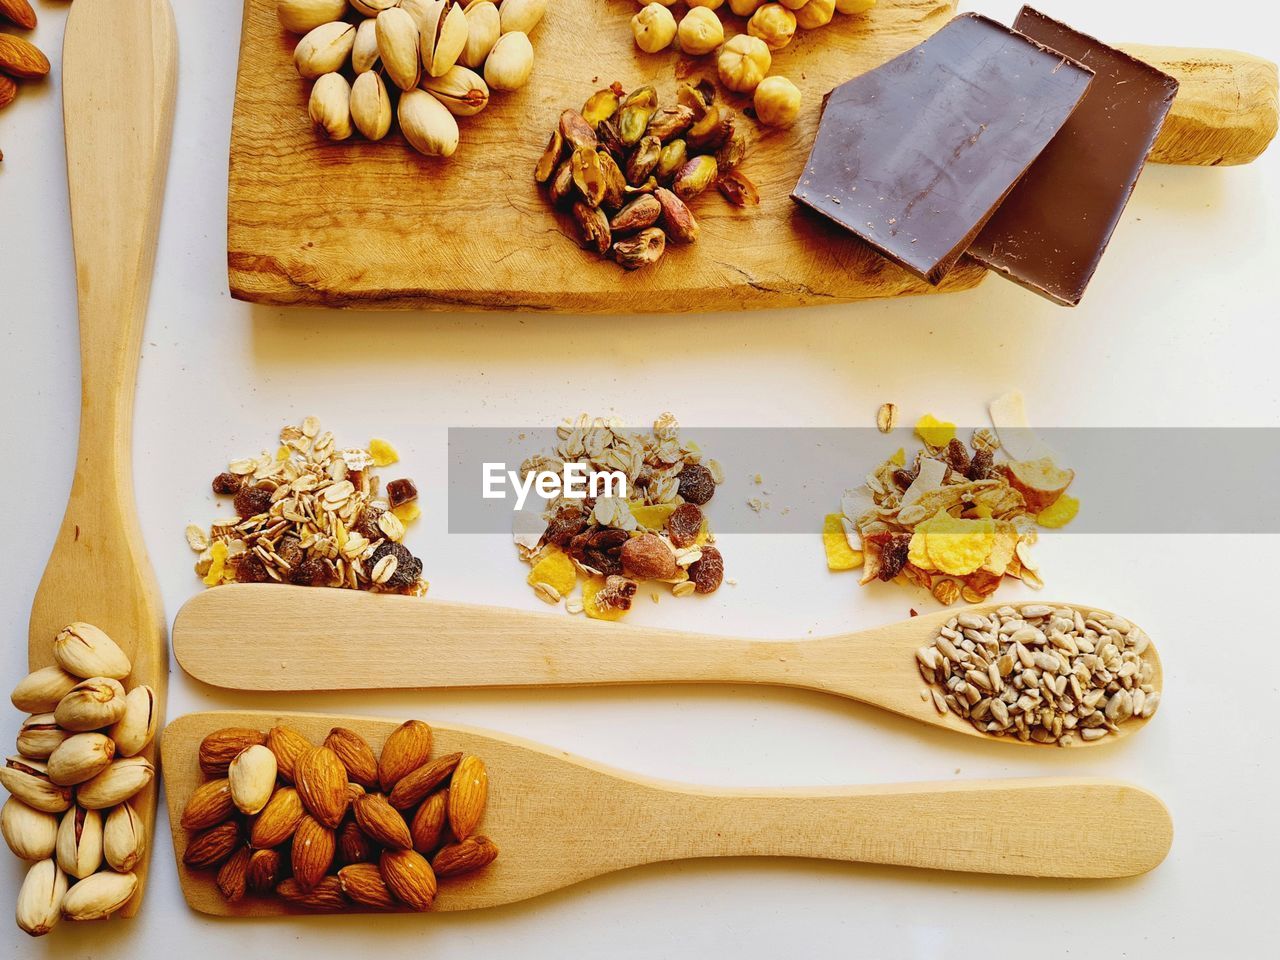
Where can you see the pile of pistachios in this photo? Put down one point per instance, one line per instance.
(627, 169)
(441, 58)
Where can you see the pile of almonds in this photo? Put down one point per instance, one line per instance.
(78, 760)
(333, 827)
(19, 58)
(440, 61)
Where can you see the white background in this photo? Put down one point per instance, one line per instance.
(1179, 329)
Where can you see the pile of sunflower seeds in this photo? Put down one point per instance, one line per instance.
(1041, 673)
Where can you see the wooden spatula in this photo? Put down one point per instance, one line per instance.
(119, 67)
(558, 819)
(270, 637)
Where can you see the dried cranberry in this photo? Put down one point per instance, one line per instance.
(956, 456)
(251, 569)
(310, 573)
(251, 501)
(401, 492)
(980, 466)
(226, 484)
(684, 525)
(696, 484)
(565, 526)
(893, 555)
(707, 573)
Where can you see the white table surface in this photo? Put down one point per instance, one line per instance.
(1179, 329)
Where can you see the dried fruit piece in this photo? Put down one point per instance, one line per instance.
(383, 453)
(1061, 512)
(608, 599)
(980, 465)
(840, 555)
(555, 570)
(707, 573)
(697, 485)
(894, 550)
(251, 501)
(956, 456)
(936, 433)
(685, 525)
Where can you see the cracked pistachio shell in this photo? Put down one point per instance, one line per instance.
(324, 50)
(330, 106)
(91, 704)
(399, 47)
(41, 690)
(521, 16)
(99, 896)
(300, 16)
(40, 899)
(371, 106)
(427, 124)
(444, 35)
(364, 54)
(40, 736)
(510, 62)
(484, 26)
(462, 91)
(28, 780)
(80, 842)
(84, 651)
(124, 838)
(371, 8)
(137, 727)
(30, 833)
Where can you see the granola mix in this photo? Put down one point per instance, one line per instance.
(312, 515)
(658, 532)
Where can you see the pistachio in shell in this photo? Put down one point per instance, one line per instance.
(694, 177)
(561, 187)
(427, 124)
(677, 219)
(615, 182)
(644, 159)
(462, 91)
(588, 176)
(635, 113)
(593, 227)
(601, 105)
(576, 131)
(640, 213)
(550, 158)
(644, 248)
(443, 31)
(484, 27)
(673, 157)
(670, 122)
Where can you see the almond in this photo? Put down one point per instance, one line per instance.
(210, 805)
(209, 849)
(325, 895)
(263, 871)
(410, 789)
(312, 852)
(381, 821)
(410, 878)
(219, 748)
(253, 778)
(288, 745)
(354, 846)
(321, 780)
(233, 876)
(8, 91)
(465, 856)
(20, 12)
(356, 755)
(468, 793)
(407, 749)
(363, 883)
(278, 819)
(21, 59)
(428, 822)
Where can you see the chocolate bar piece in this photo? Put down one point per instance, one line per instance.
(916, 154)
(1052, 229)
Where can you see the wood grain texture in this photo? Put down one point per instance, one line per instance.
(271, 637)
(119, 76)
(356, 224)
(559, 819)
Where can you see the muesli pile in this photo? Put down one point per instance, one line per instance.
(332, 826)
(313, 515)
(657, 532)
(951, 518)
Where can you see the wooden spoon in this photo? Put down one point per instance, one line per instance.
(558, 819)
(118, 78)
(272, 637)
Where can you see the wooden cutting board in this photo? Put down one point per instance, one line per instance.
(357, 224)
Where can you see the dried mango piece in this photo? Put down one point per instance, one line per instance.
(704, 535)
(840, 556)
(218, 565)
(955, 546)
(652, 516)
(282, 453)
(407, 512)
(918, 552)
(383, 453)
(899, 459)
(556, 570)
(935, 432)
(593, 610)
(1061, 512)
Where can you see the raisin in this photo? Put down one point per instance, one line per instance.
(684, 525)
(893, 555)
(696, 484)
(251, 569)
(226, 484)
(251, 501)
(289, 549)
(310, 573)
(401, 491)
(565, 526)
(980, 466)
(616, 594)
(707, 573)
(408, 567)
(367, 524)
(956, 456)
(904, 478)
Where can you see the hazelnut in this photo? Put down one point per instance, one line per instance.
(709, 4)
(815, 14)
(654, 28)
(777, 102)
(647, 557)
(854, 6)
(745, 8)
(774, 24)
(701, 32)
(744, 61)
(793, 4)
